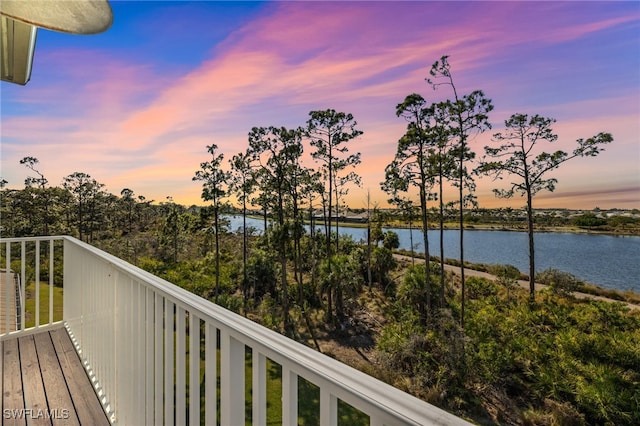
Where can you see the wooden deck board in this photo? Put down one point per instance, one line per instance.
(85, 400)
(33, 387)
(12, 397)
(7, 301)
(57, 393)
(44, 382)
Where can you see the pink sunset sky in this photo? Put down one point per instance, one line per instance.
(136, 107)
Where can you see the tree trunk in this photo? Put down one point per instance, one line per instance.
(330, 206)
(264, 219)
(245, 292)
(339, 304)
(532, 267)
(461, 182)
(80, 214)
(369, 277)
(217, 288)
(427, 269)
(442, 301)
(330, 305)
(298, 250)
(413, 257)
(313, 244)
(327, 225)
(337, 222)
(283, 266)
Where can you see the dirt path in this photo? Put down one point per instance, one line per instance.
(522, 283)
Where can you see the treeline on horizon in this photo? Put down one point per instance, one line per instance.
(460, 342)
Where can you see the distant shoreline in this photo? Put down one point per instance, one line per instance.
(496, 227)
(451, 226)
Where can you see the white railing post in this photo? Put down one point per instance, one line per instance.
(149, 356)
(328, 407)
(23, 283)
(181, 387)
(122, 382)
(158, 367)
(7, 295)
(259, 388)
(51, 281)
(289, 397)
(211, 374)
(37, 286)
(140, 412)
(194, 369)
(231, 380)
(168, 362)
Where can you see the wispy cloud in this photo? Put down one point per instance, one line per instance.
(133, 122)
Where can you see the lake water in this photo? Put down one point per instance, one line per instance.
(608, 261)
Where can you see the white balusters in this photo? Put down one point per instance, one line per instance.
(259, 388)
(231, 380)
(194, 369)
(132, 329)
(211, 374)
(168, 362)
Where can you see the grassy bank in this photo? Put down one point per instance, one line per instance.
(30, 304)
(581, 287)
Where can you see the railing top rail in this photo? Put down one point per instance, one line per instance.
(306, 362)
(20, 239)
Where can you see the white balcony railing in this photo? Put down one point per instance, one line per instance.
(144, 340)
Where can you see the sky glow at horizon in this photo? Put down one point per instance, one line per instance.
(136, 107)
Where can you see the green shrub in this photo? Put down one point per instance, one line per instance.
(382, 262)
(262, 273)
(232, 302)
(151, 265)
(506, 271)
(478, 287)
(391, 240)
(589, 220)
(561, 283)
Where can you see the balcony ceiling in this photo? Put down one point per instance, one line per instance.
(21, 19)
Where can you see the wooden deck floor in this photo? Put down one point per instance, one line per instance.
(44, 383)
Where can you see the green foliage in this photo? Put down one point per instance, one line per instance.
(553, 413)
(341, 280)
(377, 234)
(560, 282)
(431, 359)
(152, 265)
(478, 288)
(412, 291)
(586, 354)
(232, 302)
(269, 312)
(507, 271)
(262, 273)
(571, 362)
(623, 222)
(382, 262)
(391, 240)
(589, 220)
